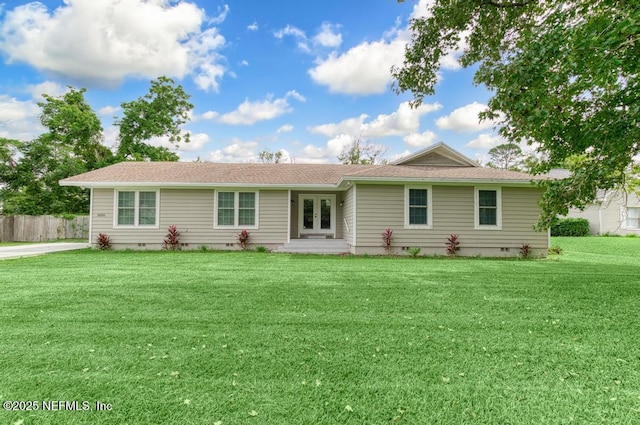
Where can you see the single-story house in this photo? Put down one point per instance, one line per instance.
(613, 212)
(423, 198)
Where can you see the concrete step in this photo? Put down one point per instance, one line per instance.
(315, 246)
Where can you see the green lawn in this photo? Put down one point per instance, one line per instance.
(250, 338)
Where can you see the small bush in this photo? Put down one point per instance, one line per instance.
(452, 245)
(204, 248)
(243, 239)
(570, 227)
(172, 239)
(387, 238)
(104, 242)
(555, 250)
(262, 249)
(525, 250)
(414, 251)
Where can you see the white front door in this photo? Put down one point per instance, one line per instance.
(317, 214)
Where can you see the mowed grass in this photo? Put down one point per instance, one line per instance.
(254, 338)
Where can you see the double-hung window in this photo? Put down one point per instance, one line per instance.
(631, 218)
(136, 208)
(236, 209)
(417, 207)
(488, 208)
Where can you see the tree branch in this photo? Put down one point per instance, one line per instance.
(505, 5)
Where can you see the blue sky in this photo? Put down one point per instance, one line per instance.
(301, 77)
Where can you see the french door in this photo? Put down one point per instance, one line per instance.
(317, 214)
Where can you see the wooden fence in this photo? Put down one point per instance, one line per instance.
(28, 228)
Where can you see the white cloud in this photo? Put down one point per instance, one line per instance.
(328, 36)
(320, 155)
(105, 41)
(210, 115)
(249, 113)
(399, 155)
(222, 15)
(422, 9)
(299, 35)
(285, 129)
(404, 121)
(348, 126)
(253, 26)
(109, 110)
(196, 142)
(486, 141)
(238, 151)
(421, 139)
(291, 31)
(363, 69)
(48, 87)
(465, 119)
(19, 119)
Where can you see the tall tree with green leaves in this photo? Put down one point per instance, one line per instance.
(565, 75)
(269, 157)
(159, 113)
(362, 153)
(507, 156)
(72, 145)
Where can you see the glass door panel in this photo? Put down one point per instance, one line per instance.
(308, 207)
(325, 214)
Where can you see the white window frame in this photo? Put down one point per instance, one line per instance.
(476, 208)
(429, 224)
(136, 214)
(624, 216)
(236, 209)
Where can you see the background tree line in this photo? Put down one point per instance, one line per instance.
(73, 144)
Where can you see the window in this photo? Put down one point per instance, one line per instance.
(137, 208)
(488, 208)
(632, 219)
(417, 207)
(236, 209)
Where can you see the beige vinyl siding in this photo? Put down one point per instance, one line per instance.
(191, 210)
(347, 215)
(381, 207)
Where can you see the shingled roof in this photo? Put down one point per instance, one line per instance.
(329, 175)
(191, 174)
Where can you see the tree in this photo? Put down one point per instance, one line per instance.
(72, 145)
(507, 156)
(362, 153)
(160, 112)
(564, 75)
(268, 157)
(9, 149)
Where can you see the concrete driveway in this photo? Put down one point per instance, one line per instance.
(27, 250)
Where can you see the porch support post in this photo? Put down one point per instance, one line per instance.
(289, 217)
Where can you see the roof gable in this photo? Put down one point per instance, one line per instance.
(438, 155)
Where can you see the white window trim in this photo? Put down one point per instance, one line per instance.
(624, 215)
(476, 209)
(135, 224)
(236, 208)
(429, 224)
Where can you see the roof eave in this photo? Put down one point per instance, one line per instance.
(440, 180)
(186, 185)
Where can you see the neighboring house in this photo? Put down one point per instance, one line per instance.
(614, 212)
(422, 198)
